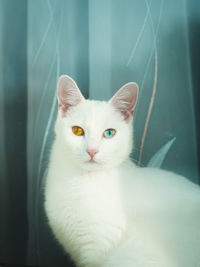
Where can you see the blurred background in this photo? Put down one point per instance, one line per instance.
(102, 45)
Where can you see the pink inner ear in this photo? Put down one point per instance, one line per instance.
(68, 93)
(127, 115)
(63, 107)
(125, 100)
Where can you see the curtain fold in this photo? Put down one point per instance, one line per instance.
(100, 49)
(13, 141)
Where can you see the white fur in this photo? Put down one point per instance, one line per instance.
(112, 213)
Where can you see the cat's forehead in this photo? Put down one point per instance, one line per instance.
(93, 112)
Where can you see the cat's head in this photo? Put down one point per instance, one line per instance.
(95, 134)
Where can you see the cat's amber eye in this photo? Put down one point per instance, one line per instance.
(109, 133)
(77, 130)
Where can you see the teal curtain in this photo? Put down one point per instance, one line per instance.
(13, 133)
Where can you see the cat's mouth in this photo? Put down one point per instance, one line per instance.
(92, 161)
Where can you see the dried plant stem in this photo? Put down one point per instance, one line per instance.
(149, 110)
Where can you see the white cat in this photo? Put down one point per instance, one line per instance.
(102, 208)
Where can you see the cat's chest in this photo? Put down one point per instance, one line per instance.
(91, 198)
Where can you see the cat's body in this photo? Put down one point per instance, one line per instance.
(110, 212)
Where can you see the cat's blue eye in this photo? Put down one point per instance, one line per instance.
(109, 133)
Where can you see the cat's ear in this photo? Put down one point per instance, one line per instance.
(68, 93)
(125, 100)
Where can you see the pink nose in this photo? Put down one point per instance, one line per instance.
(92, 152)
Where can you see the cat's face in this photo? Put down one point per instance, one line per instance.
(95, 134)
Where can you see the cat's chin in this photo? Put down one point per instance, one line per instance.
(92, 165)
